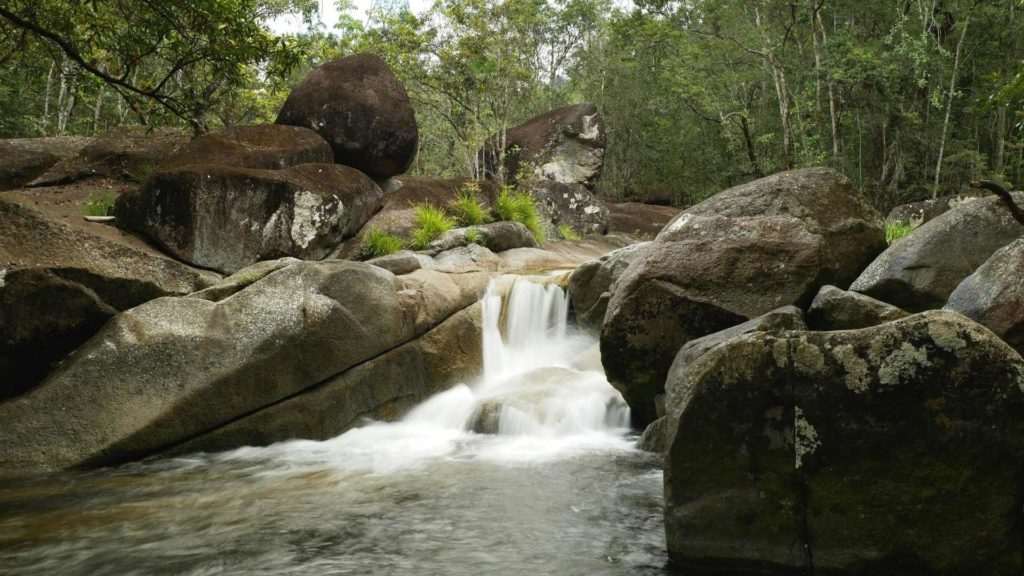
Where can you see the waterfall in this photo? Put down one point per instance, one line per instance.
(529, 385)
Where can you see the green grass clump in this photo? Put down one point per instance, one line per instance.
(467, 207)
(431, 222)
(896, 229)
(99, 205)
(566, 232)
(379, 243)
(473, 236)
(519, 207)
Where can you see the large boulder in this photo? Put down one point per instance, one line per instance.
(496, 236)
(918, 213)
(920, 271)
(128, 152)
(994, 295)
(895, 449)
(227, 218)
(640, 220)
(562, 145)
(743, 252)
(835, 309)
(590, 284)
(23, 159)
(571, 205)
(122, 395)
(61, 279)
(358, 105)
(265, 147)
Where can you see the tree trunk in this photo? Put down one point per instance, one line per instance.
(949, 108)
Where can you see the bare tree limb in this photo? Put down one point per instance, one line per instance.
(1004, 195)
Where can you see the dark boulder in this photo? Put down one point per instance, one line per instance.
(229, 218)
(590, 285)
(571, 205)
(920, 271)
(264, 147)
(24, 159)
(737, 255)
(918, 213)
(61, 279)
(894, 449)
(358, 105)
(641, 220)
(994, 295)
(562, 145)
(128, 152)
(835, 309)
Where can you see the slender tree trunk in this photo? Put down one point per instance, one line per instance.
(46, 99)
(96, 113)
(833, 102)
(819, 122)
(782, 93)
(949, 107)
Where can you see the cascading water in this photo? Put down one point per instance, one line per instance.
(530, 468)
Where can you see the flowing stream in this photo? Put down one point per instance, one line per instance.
(529, 470)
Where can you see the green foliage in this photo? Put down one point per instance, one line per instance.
(473, 236)
(896, 230)
(379, 243)
(518, 206)
(567, 233)
(467, 207)
(431, 222)
(99, 204)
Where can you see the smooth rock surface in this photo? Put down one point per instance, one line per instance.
(591, 283)
(264, 147)
(889, 450)
(361, 109)
(920, 271)
(496, 236)
(24, 159)
(835, 309)
(127, 152)
(229, 218)
(994, 295)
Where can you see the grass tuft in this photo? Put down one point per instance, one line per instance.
(519, 207)
(431, 222)
(99, 205)
(467, 207)
(473, 236)
(896, 230)
(379, 243)
(566, 232)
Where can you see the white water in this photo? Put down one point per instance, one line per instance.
(530, 404)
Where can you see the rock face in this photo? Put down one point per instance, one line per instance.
(835, 309)
(228, 218)
(264, 147)
(121, 396)
(128, 152)
(60, 282)
(926, 210)
(361, 109)
(642, 220)
(739, 254)
(590, 284)
(563, 145)
(994, 295)
(23, 159)
(888, 450)
(496, 236)
(920, 271)
(571, 205)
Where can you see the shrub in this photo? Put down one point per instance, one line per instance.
(467, 207)
(379, 243)
(896, 229)
(431, 222)
(566, 231)
(99, 205)
(519, 207)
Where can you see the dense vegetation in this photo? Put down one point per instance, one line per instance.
(910, 98)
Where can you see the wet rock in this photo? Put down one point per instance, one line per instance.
(887, 450)
(835, 309)
(62, 279)
(358, 105)
(920, 271)
(654, 437)
(24, 159)
(121, 395)
(264, 147)
(229, 218)
(994, 295)
(735, 256)
(128, 152)
(563, 145)
(591, 283)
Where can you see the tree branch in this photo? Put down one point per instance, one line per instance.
(1004, 195)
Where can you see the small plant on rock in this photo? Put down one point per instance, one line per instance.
(379, 243)
(519, 207)
(99, 205)
(473, 236)
(431, 222)
(467, 207)
(566, 232)
(897, 229)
